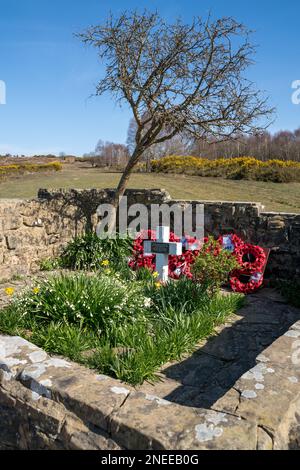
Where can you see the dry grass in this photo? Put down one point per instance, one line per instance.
(284, 197)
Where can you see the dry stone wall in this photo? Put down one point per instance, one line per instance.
(37, 229)
(50, 403)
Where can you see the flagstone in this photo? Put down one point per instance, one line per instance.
(16, 352)
(270, 399)
(156, 426)
(91, 396)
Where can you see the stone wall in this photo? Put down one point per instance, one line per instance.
(37, 229)
(33, 230)
(50, 403)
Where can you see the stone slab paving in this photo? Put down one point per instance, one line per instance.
(48, 402)
(202, 379)
(239, 390)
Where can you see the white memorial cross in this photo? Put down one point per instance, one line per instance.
(162, 248)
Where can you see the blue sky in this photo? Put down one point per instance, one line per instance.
(50, 75)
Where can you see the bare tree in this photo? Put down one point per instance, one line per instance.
(179, 144)
(109, 154)
(283, 145)
(178, 78)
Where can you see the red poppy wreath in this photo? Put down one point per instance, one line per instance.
(245, 282)
(251, 258)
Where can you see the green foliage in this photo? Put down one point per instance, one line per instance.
(84, 253)
(124, 329)
(49, 264)
(12, 322)
(88, 251)
(143, 274)
(173, 334)
(182, 293)
(91, 301)
(213, 265)
(64, 339)
(273, 173)
(121, 322)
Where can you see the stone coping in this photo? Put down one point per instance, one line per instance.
(280, 214)
(51, 393)
(163, 193)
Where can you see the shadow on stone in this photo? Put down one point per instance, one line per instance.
(213, 369)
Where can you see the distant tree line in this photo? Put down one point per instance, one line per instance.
(108, 154)
(61, 156)
(284, 145)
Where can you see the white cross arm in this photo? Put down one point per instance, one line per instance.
(166, 248)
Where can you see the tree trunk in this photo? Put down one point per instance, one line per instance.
(148, 163)
(125, 176)
(119, 193)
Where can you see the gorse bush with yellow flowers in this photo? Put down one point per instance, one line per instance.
(249, 168)
(21, 168)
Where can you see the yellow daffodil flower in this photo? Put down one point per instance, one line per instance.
(9, 291)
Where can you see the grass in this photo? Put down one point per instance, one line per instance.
(282, 197)
(127, 330)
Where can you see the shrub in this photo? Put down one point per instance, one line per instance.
(20, 168)
(183, 293)
(213, 265)
(83, 252)
(248, 168)
(88, 251)
(64, 339)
